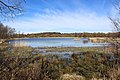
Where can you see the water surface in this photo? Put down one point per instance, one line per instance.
(55, 42)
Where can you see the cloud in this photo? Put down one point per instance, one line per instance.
(63, 21)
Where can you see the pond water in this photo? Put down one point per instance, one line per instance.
(55, 42)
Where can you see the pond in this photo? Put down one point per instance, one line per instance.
(54, 42)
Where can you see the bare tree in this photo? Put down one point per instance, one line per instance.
(11, 8)
(116, 23)
(6, 31)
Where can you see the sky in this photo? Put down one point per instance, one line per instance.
(65, 16)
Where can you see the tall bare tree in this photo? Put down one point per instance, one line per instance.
(116, 23)
(11, 8)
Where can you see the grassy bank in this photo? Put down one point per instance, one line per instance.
(74, 49)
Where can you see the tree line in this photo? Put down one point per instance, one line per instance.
(58, 34)
(6, 32)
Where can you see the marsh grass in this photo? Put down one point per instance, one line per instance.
(76, 49)
(26, 63)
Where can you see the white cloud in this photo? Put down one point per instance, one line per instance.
(78, 21)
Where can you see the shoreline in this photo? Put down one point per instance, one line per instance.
(91, 38)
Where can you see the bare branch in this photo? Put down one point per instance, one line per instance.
(11, 8)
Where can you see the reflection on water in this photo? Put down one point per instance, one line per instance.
(19, 43)
(54, 42)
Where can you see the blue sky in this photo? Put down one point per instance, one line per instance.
(64, 16)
